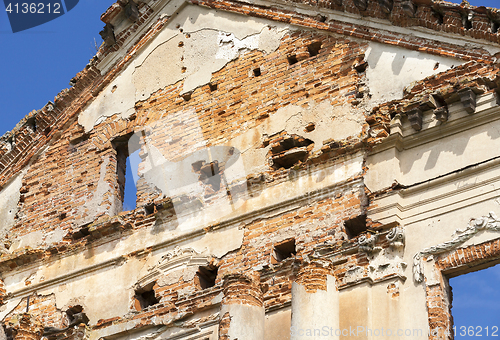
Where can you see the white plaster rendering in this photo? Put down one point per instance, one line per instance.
(205, 45)
(315, 310)
(281, 317)
(408, 158)
(94, 206)
(329, 120)
(429, 181)
(391, 69)
(247, 322)
(9, 198)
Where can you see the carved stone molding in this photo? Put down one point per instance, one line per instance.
(172, 260)
(468, 99)
(409, 8)
(396, 237)
(415, 118)
(490, 222)
(441, 113)
(366, 244)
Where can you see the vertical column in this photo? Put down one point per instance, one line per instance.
(27, 327)
(242, 310)
(315, 302)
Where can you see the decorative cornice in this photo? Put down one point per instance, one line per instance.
(396, 237)
(173, 260)
(475, 225)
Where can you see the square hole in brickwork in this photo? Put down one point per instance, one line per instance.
(31, 123)
(439, 17)
(212, 86)
(149, 209)
(475, 303)
(145, 297)
(206, 276)
(256, 72)
(292, 59)
(314, 48)
(494, 27)
(80, 139)
(283, 250)
(355, 226)
(187, 96)
(467, 23)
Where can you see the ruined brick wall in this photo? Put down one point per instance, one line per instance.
(307, 204)
(74, 182)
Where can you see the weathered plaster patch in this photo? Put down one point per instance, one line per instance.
(38, 238)
(95, 204)
(315, 310)
(118, 98)
(9, 199)
(33, 240)
(391, 69)
(207, 42)
(331, 122)
(247, 322)
(219, 243)
(187, 274)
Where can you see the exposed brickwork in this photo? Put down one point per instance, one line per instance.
(242, 289)
(43, 307)
(26, 327)
(54, 117)
(75, 183)
(312, 276)
(46, 204)
(438, 308)
(472, 255)
(439, 296)
(355, 31)
(441, 89)
(71, 101)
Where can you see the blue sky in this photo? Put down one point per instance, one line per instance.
(476, 303)
(38, 63)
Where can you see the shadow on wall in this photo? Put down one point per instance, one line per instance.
(391, 69)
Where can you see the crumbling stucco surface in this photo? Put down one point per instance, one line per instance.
(247, 322)
(315, 310)
(9, 198)
(293, 162)
(191, 48)
(391, 69)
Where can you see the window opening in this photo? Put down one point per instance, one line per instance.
(476, 304)
(145, 297)
(127, 164)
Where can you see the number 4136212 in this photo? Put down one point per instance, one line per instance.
(33, 8)
(475, 331)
